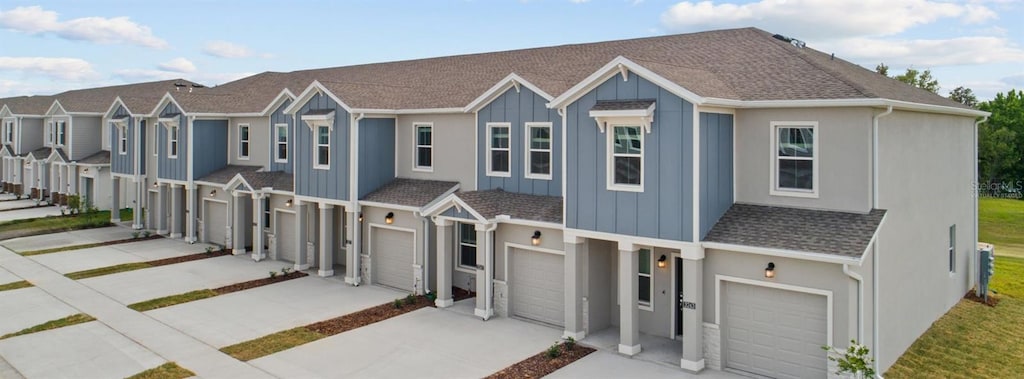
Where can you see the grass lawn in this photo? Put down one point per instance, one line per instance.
(53, 224)
(974, 340)
(169, 370)
(15, 285)
(167, 301)
(108, 270)
(53, 324)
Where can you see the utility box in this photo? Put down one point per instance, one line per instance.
(986, 269)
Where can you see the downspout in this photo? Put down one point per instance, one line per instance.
(489, 271)
(357, 227)
(971, 271)
(874, 260)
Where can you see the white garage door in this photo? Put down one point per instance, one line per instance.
(285, 235)
(392, 258)
(537, 287)
(215, 221)
(775, 332)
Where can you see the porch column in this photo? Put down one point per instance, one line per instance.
(73, 180)
(576, 251)
(444, 263)
(258, 252)
(190, 212)
(137, 223)
(115, 199)
(693, 327)
(352, 275)
(629, 314)
(300, 235)
(484, 271)
(161, 209)
(238, 224)
(176, 209)
(41, 179)
(326, 235)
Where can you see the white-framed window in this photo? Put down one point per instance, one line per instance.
(152, 146)
(626, 158)
(322, 153)
(52, 128)
(281, 143)
(467, 246)
(952, 249)
(122, 139)
(424, 154)
(794, 163)
(266, 213)
(172, 141)
(498, 149)
(645, 287)
(538, 150)
(243, 141)
(9, 132)
(62, 128)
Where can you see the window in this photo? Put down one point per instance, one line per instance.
(795, 171)
(9, 132)
(122, 139)
(243, 141)
(172, 141)
(61, 132)
(467, 246)
(952, 248)
(281, 139)
(498, 149)
(424, 147)
(646, 285)
(266, 212)
(625, 168)
(53, 131)
(538, 150)
(322, 160)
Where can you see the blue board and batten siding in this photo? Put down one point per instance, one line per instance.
(279, 117)
(716, 181)
(518, 108)
(122, 163)
(210, 142)
(329, 183)
(665, 209)
(456, 213)
(173, 168)
(143, 133)
(376, 153)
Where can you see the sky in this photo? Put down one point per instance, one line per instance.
(51, 46)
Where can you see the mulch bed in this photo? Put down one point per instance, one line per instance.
(369, 315)
(90, 245)
(258, 282)
(188, 258)
(542, 364)
(461, 294)
(993, 299)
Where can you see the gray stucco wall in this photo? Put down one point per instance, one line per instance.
(664, 209)
(332, 183)
(518, 108)
(31, 135)
(279, 117)
(454, 150)
(85, 136)
(376, 153)
(173, 168)
(716, 154)
(210, 138)
(122, 163)
(259, 142)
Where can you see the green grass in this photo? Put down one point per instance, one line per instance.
(60, 249)
(272, 343)
(53, 224)
(167, 301)
(108, 270)
(169, 370)
(53, 324)
(15, 285)
(1001, 222)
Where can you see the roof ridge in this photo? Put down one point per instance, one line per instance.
(830, 72)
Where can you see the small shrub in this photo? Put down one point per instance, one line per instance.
(209, 250)
(273, 274)
(553, 352)
(135, 234)
(146, 233)
(410, 299)
(74, 203)
(397, 304)
(855, 360)
(570, 343)
(286, 270)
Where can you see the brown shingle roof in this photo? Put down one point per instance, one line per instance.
(28, 105)
(491, 203)
(410, 192)
(101, 157)
(278, 180)
(225, 174)
(139, 97)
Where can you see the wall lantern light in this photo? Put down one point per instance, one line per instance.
(86, 171)
(213, 193)
(662, 261)
(390, 218)
(155, 184)
(360, 216)
(535, 240)
(288, 203)
(769, 272)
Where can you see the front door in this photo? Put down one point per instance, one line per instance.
(679, 295)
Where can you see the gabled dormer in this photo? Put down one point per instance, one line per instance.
(126, 134)
(320, 122)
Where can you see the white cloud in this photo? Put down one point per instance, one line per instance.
(926, 53)
(225, 49)
(821, 18)
(578, 1)
(36, 20)
(60, 68)
(1016, 80)
(180, 65)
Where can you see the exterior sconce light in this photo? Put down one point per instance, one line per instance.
(86, 171)
(288, 203)
(390, 218)
(213, 193)
(769, 272)
(155, 184)
(535, 240)
(360, 216)
(662, 261)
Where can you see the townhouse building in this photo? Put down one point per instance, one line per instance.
(22, 133)
(729, 199)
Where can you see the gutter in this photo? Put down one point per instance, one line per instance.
(874, 260)
(971, 272)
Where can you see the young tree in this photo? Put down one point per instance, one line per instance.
(919, 79)
(963, 95)
(882, 69)
(1001, 139)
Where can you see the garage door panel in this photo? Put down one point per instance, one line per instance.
(215, 221)
(285, 236)
(537, 287)
(393, 258)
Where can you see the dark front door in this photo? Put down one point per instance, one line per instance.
(679, 295)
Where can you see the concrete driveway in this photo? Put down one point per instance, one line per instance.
(8, 277)
(606, 364)
(89, 350)
(22, 214)
(27, 307)
(15, 204)
(77, 237)
(103, 256)
(427, 343)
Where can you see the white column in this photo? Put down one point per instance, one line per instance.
(693, 327)
(258, 252)
(629, 314)
(115, 200)
(300, 235)
(352, 258)
(444, 263)
(575, 287)
(484, 271)
(176, 209)
(238, 224)
(190, 212)
(73, 179)
(326, 235)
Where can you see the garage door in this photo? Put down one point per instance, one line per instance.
(537, 287)
(392, 258)
(775, 332)
(285, 236)
(215, 221)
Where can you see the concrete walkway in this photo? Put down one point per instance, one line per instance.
(23, 214)
(89, 350)
(27, 307)
(103, 256)
(76, 237)
(8, 277)
(605, 364)
(6, 205)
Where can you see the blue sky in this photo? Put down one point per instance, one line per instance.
(48, 47)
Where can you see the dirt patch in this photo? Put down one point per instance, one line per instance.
(189, 258)
(89, 245)
(259, 282)
(545, 362)
(992, 301)
(369, 315)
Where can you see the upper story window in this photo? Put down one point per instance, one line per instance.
(9, 132)
(51, 127)
(794, 159)
(952, 248)
(122, 139)
(538, 150)
(172, 141)
(424, 159)
(243, 141)
(61, 132)
(498, 149)
(281, 141)
(467, 246)
(266, 213)
(322, 154)
(645, 285)
(625, 158)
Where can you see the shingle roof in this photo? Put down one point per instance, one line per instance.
(278, 180)
(247, 95)
(410, 192)
(225, 174)
(40, 153)
(28, 105)
(60, 153)
(491, 203)
(620, 105)
(8, 149)
(101, 157)
(807, 230)
(138, 97)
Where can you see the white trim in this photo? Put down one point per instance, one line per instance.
(491, 149)
(416, 146)
(610, 156)
(503, 85)
(802, 255)
(536, 249)
(642, 117)
(527, 147)
(282, 96)
(311, 90)
(831, 103)
(316, 147)
(415, 246)
(650, 261)
(276, 143)
(396, 207)
(396, 112)
(321, 200)
(121, 126)
(247, 141)
(774, 188)
(506, 219)
(695, 153)
(788, 287)
(689, 250)
(618, 66)
(458, 248)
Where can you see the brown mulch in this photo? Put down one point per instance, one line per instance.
(130, 240)
(461, 294)
(369, 316)
(540, 365)
(259, 282)
(993, 299)
(189, 258)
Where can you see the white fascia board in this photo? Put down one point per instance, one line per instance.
(113, 106)
(318, 117)
(794, 254)
(282, 96)
(54, 107)
(5, 111)
(85, 113)
(440, 198)
(236, 180)
(616, 66)
(167, 99)
(396, 207)
(453, 200)
(824, 103)
(381, 111)
(512, 80)
(314, 88)
(506, 219)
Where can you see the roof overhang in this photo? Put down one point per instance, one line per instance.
(113, 108)
(452, 201)
(236, 182)
(282, 97)
(503, 85)
(166, 99)
(642, 114)
(826, 103)
(55, 157)
(621, 66)
(55, 108)
(313, 89)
